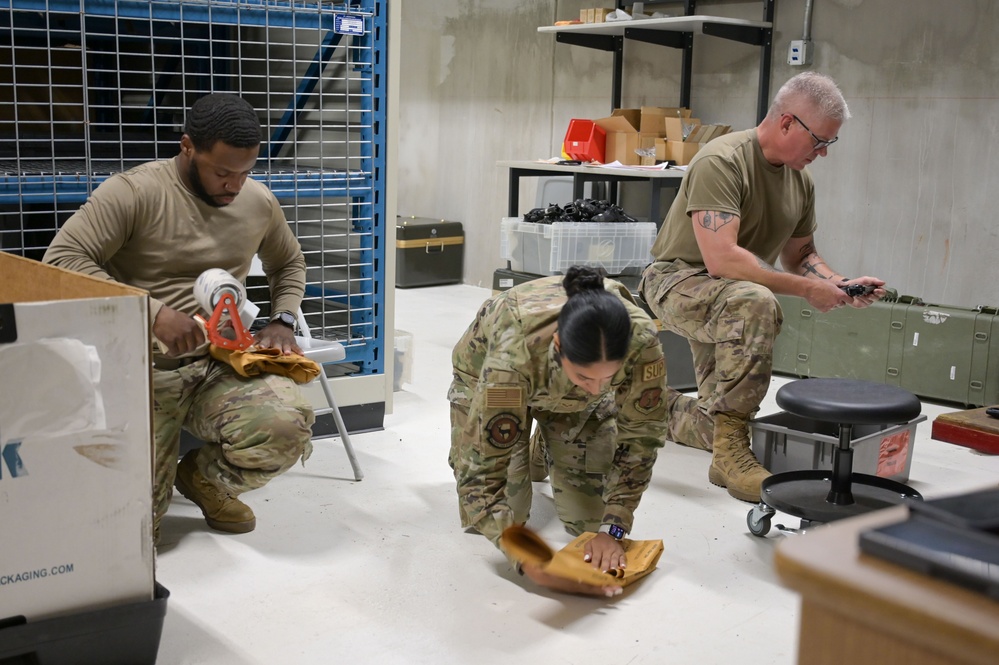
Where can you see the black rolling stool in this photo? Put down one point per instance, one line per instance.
(819, 496)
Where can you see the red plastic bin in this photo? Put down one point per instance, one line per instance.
(585, 141)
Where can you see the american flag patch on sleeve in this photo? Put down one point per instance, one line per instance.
(504, 398)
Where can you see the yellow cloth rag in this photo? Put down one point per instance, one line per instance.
(254, 361)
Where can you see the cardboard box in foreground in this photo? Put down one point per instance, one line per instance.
(75, 442)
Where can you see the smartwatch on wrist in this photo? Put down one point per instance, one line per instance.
(614, 531)
(285, 319)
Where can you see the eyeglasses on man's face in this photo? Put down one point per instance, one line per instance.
(819, 143)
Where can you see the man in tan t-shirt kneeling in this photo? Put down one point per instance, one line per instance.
(746, 200)
(158, 226)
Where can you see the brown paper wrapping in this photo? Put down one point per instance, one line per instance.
(254, 361)
(525, 546)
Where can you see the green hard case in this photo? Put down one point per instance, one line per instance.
(938, 352)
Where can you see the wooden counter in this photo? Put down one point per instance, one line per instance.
(859, 609)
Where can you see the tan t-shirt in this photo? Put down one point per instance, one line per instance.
(144, 228)
(730, 174)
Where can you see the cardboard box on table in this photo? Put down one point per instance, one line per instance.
(75, 443)
(621, 139)
(684, 137)
(631, 129)
(594, 14)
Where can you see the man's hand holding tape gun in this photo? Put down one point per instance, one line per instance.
(183, 334)
(180, 333)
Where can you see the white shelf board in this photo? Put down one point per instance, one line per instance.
(671, 23)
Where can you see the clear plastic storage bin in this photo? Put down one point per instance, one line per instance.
(787, 442)
(549, 249)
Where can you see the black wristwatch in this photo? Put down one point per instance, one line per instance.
(614, 531)
(284, 318)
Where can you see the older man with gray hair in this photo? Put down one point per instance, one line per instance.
(746, 200)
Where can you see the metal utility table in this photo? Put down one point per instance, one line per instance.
(582, 174)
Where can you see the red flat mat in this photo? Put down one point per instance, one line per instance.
(971, 428)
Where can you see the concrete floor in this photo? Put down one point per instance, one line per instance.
(379, 571)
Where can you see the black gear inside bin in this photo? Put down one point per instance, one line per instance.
(125, 634)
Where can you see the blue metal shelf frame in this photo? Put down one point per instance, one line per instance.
(75, 188)
(273, 13)
(368, 207)
(364, 189)
(373, 142)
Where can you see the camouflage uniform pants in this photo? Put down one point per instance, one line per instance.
(579, 453)
(255, 429)
(731, 327)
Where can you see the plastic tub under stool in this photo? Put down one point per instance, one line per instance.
(786, 442)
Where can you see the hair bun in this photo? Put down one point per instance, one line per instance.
(583, 278)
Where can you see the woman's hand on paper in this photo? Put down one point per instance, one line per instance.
(605, 553)
(541, 578)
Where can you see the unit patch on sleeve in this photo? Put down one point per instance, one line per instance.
(653, 370)
(503, 429)
(650, 400)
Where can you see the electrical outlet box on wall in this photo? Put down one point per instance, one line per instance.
(799, 52)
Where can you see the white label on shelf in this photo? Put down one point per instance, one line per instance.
(345, 24)
(953, 372)
(915, 339)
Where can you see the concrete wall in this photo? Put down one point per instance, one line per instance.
(903, 195)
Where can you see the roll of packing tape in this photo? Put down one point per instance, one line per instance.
(212, 284)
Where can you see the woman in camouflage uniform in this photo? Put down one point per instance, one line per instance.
(580, 359)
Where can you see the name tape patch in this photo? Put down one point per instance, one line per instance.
(654, 370)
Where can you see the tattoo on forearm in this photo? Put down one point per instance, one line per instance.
(766, 266)
(810, 266)
(809, 269)
(713, 221)
(811, 261)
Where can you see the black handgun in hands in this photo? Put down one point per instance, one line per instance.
(854, 290)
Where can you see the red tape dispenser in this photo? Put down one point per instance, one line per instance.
(223, 295)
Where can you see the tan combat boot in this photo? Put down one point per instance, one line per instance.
(733, 464)
(536, 458)
(222, 511)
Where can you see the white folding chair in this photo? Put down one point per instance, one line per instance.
(321, 351)
(325, 351)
